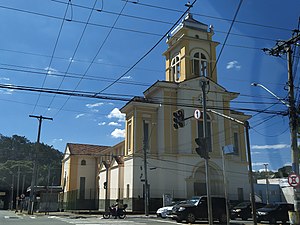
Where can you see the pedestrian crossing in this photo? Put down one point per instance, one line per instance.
(13, 217)
(96, 221)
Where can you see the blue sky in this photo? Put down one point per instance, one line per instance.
(89, 49)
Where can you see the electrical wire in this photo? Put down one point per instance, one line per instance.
(53, 52)
(148, 52)
(86, 94)
(161, 21)
(96, 55)
(38, 71)
(73, 56)
(227, 35)
(208, 16)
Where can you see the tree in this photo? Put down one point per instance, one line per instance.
(283, 172)
(17, 154)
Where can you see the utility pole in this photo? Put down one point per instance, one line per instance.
(47, 192)
(31, 200)
(267, 182)
(203, 85)
(145, 147)
(12, 192)
(18, 187)
(285, 47)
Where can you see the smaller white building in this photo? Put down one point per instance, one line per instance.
(278, 190)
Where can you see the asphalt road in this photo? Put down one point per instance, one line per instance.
(10, 218)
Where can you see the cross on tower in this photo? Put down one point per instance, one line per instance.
(189, 6)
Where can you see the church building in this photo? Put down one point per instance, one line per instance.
(173, 167)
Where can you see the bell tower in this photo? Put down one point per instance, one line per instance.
(191, 51)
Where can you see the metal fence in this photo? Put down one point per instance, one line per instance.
(78, 200)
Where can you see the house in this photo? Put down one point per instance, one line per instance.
(155, 153)
(275, 190)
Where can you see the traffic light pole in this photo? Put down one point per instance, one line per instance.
(105, 184)
(203, 84)
(146, 202)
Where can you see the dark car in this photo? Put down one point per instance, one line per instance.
(274, 213)
(243, 210)
(196, 209)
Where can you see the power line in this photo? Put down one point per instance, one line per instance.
(131, 30)
(97, 53)
(161, 21)
(53, 52)
(213, 17)
(74, 53)
(148, 52)
(118, 98)
(96, 78)
(227, 35)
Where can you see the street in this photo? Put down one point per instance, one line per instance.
(10, 218)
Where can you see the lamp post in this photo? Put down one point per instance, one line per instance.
(247, 127)
(266, 89)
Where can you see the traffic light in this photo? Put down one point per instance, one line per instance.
(105, 185)
(178, 118)
(202, 147)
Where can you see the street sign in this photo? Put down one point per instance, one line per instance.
(293, 180)
(197, 114)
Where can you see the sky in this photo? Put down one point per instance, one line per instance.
(113, 47)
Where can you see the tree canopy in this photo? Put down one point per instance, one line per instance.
(17, 155)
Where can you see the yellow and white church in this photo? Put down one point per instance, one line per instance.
(173, 166)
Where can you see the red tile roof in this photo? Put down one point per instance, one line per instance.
(84, 149)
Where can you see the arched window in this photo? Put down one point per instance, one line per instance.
(200, 64)
(175, 65)
(83, 162)
(201, 131)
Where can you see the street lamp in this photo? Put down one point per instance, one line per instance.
(280, 99)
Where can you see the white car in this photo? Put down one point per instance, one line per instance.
(164, 211)
(167, 210)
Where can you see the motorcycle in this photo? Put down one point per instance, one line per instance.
(116, 212)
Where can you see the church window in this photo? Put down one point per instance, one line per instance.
(129, 127)
(83, 162)
(146, 133)
(200, 64)
(175, 65)
(236, 143)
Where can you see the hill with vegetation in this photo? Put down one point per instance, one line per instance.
(17, 156)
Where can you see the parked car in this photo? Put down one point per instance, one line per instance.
(163, 212)
(243, 210)
(274, 213)
(196, 209)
